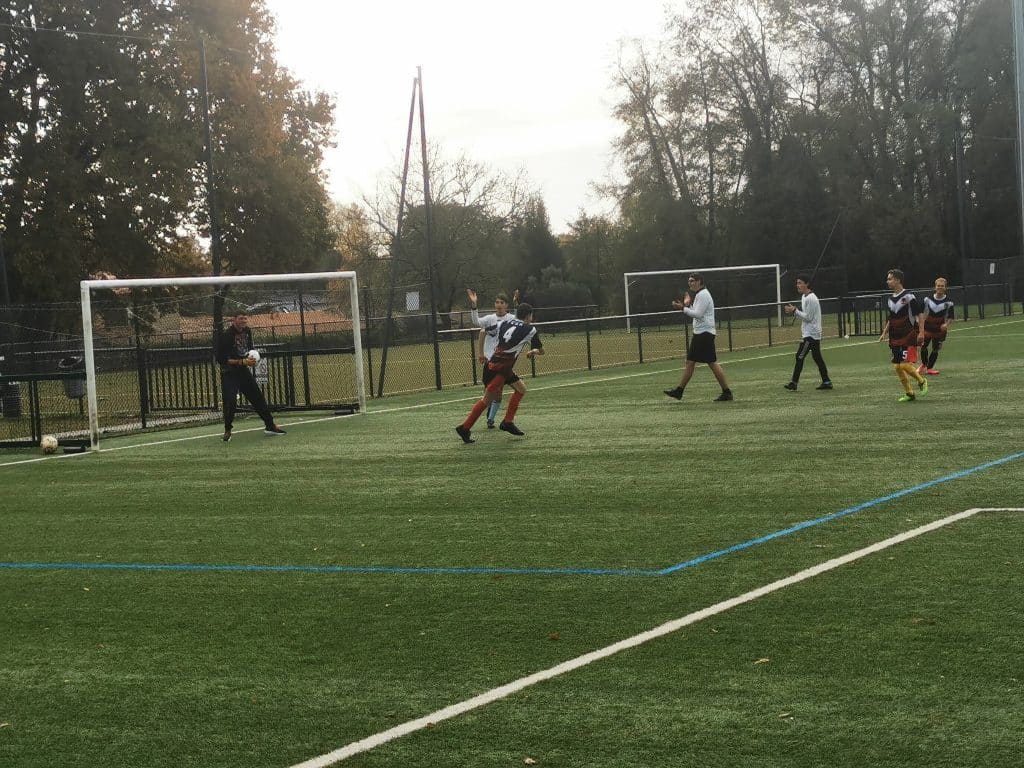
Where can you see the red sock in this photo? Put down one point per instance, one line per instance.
(513, 406)
(474, 414)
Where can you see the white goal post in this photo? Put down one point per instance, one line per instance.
(88, 286)
(706, 271)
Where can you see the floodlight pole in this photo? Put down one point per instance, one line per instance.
(961, 208)
(5, 290)
(1018, 58)
(211, 205)
(427, 215)
(396, 245)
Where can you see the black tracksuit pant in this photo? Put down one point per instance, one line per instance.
(234, 381)
(812, 346)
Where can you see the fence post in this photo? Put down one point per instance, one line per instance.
(729, 326)
(640, 338)
(590, 361)
(140, 365)
(472, 356)
(769, 331)
(367, 338)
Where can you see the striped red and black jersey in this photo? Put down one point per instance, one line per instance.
(903, 311)
(937, 312)
(513, 336)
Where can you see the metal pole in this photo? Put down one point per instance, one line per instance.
(305, 346)
(396, 246)
(958, 149)
(211, 205)
(1018, 56)
(5, 291)
(90, 366)
(778, 295)
(357, 342)
(625, 292)
(431, 271)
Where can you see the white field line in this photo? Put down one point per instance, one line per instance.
(471, 398)
(364, 745)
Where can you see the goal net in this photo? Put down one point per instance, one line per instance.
(148, 347)
(752, 284)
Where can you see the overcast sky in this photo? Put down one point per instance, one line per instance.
(513, 85)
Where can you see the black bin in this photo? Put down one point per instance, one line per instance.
(73, 388)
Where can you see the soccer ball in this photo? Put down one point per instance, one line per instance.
(48, 444)
(253, 355)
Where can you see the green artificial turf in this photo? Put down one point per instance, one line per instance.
(470, 566)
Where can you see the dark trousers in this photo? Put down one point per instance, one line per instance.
(812, 346)
(233, 382)
(929, 360)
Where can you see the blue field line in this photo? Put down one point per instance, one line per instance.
(332, 569)
(516, 571)
(837, 515)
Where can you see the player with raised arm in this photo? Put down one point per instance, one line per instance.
(487, 342)
(905, 326)
(938, 314)
(701, 307)
(514, 335)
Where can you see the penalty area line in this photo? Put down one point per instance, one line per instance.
(504, 691)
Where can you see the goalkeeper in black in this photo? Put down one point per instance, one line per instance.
(232, 355)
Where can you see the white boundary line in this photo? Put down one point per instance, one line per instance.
(364, 745)
(398, 409)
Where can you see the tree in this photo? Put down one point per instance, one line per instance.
(102, 143)
(759, 123)
(534, 247)
(588, 250)
(473, 210)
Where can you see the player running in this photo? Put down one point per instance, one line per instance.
(514, 334)
(938, 314)
(488, 342)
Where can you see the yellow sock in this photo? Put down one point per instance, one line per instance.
(901, 371)
(911, 368)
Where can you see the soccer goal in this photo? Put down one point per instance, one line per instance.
(748, 284)
(147, 346)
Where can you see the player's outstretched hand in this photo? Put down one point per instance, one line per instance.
(472, 296)
(248, 362)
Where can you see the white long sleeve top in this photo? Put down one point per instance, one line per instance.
(490, 325)
(702, 310)
(810, 316)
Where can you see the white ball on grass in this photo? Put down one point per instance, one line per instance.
(48, 444)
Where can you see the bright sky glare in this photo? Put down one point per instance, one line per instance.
(520, 85)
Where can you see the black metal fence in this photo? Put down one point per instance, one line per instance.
(146, 381)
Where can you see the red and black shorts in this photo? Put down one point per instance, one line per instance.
(901, 354)
(490, 373)
(933, 329)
